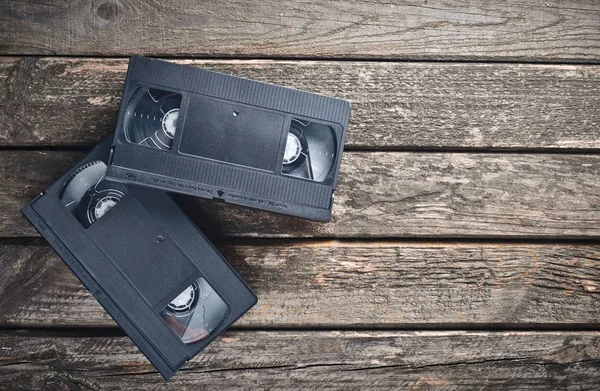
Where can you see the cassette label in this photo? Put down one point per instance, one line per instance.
(153, 280)
(215, 136)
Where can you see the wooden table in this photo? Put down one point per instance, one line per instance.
(463, 252)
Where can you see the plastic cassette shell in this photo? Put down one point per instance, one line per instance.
(261, 185)
(134, 303)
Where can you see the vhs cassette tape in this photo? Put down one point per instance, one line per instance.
(142, 258)
(197, 132)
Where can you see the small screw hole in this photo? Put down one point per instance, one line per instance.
(159, 239)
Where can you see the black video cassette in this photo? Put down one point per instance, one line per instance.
(202, 133)
(142, 258)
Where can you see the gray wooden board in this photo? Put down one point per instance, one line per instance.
(358, 284)
(373, 280)
(384, 194)
(74, 101)
(290, 360)
(436, 30)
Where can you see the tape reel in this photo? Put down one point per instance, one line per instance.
(151, 117)
(196, 312)
(309, 151)
(86, 196)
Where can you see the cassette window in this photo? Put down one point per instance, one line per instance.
(87, 196)
(151, 117)
(196, 312)
(309, 151)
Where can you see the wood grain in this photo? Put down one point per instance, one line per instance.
(66, 101)
(384, 194)
(310, 360)
(391, 188)
(341, 284)
(23, 175)
(466, 30)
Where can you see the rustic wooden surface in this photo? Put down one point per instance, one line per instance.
(398, 106)
(517, 30)
(385, 194)
(346, 360)
(464, 248)
(349, 284)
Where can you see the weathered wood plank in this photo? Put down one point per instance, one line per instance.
(362, 284)
(22, 176)
(314, 360)
(385, 194)
(515, 30)
(59, 101)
